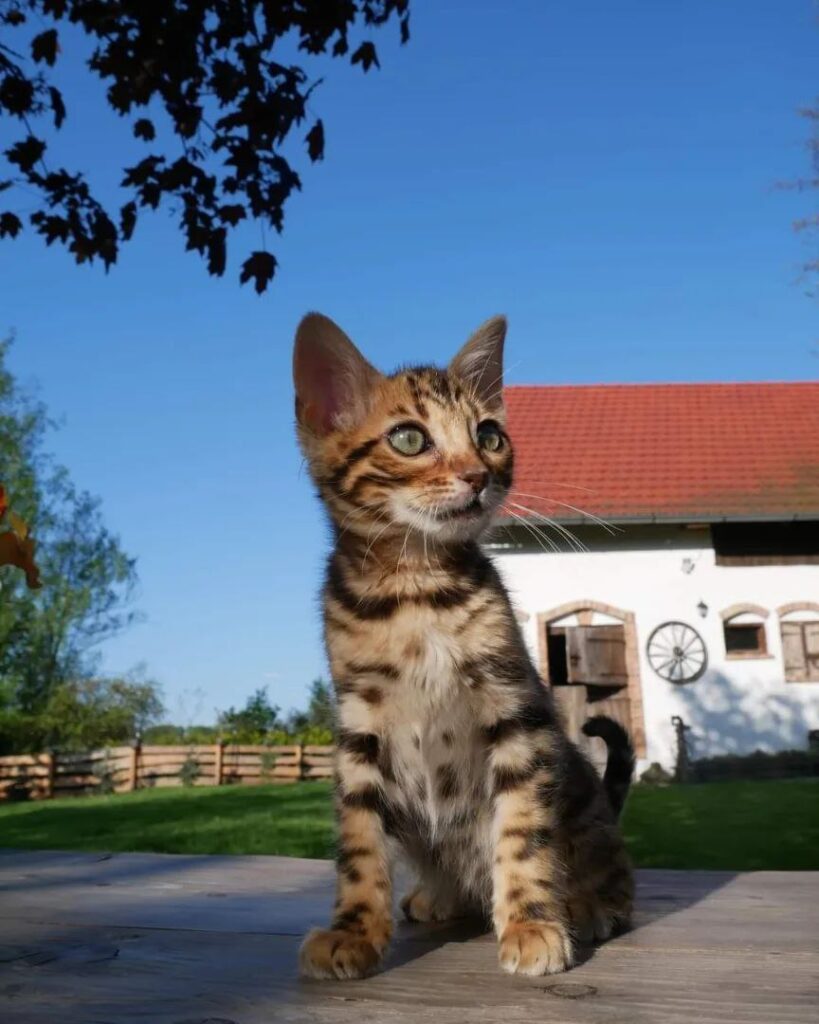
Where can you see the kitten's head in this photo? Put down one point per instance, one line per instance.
(423, 449)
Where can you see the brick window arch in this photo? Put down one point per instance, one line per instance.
(797, 606)
(743, 609)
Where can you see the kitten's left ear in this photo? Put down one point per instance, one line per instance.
(480, 361)
(333, 380)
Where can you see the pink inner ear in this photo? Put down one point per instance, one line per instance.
(320, 392)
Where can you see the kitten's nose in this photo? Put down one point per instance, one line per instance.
(476, 478)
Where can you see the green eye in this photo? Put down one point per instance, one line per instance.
(489, 436)
(408, 440)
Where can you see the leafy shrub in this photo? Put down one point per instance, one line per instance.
(267, 764)
(784, 764)
(656, 775)
(190, 771)
(174, 735)
(315, 735)
(106, 777)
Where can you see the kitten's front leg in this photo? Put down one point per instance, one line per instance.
(362, 924)
(528, 899)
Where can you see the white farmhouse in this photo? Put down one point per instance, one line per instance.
(700, 598)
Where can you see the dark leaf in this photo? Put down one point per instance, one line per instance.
(366, 56)
(44, 47)
(52, 228)
(16, 94)
(232, 213)
(405, 29)
(144, 129)
(260, 268)
(57, 106)
(217, 252)
(10, 224)
(56, 8)
(315, 141)
(127, 220)
(340, 47)
(13, 17)
(25, 154)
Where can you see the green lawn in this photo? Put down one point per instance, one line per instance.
(734, 825)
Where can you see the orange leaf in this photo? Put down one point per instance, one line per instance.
(19, 551)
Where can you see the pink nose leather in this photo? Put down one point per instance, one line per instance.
(476, 478)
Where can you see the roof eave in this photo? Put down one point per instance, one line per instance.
(660, 519)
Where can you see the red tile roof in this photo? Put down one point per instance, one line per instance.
(667, 451)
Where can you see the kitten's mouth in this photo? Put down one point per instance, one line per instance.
(471, 510)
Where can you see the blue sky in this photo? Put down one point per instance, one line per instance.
(603, 173)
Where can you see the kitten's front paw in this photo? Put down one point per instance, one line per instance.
(534, 948)
(332, 953)
(420, 905)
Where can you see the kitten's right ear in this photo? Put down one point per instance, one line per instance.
(480, 361)
(333, 380)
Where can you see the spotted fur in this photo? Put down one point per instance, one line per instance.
(449, 747)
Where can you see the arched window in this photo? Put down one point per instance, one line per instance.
(799, 625)
(743, 627)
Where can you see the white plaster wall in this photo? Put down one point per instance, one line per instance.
(737, 705)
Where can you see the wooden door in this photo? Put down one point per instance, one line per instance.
(597, 684)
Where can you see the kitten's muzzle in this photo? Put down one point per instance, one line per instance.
(476, 478)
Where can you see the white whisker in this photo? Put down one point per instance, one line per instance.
(575, 542)
(609, 527)
(538, 535)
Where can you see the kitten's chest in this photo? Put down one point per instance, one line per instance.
(438, 765)
(429, 660)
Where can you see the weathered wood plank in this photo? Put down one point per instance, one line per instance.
(21, 759)
(137, 938)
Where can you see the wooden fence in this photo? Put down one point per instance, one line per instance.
(123, 769)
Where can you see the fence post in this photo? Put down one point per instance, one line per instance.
(49, 779)
(300, 760)
(133, 767)
(219, 754)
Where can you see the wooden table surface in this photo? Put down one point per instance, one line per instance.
(114, 939)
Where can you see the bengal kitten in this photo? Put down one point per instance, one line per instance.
(449, 747)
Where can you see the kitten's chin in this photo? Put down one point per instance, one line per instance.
(466, 523)
(456, 530)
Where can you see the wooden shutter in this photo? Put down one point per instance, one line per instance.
(793, 650)
(810, 633)
(597, 655)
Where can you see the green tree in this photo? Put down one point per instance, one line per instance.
(207, 90)
(88, 713)
(253, 722)
(321, 710)
(50, 636)
(316, 723)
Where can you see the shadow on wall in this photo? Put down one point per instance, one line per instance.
(727, 719)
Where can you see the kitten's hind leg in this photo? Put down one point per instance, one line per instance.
(432, 900)
(601, 893)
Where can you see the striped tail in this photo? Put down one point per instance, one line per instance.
(620, 764)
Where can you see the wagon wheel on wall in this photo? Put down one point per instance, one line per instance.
(677, 652)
